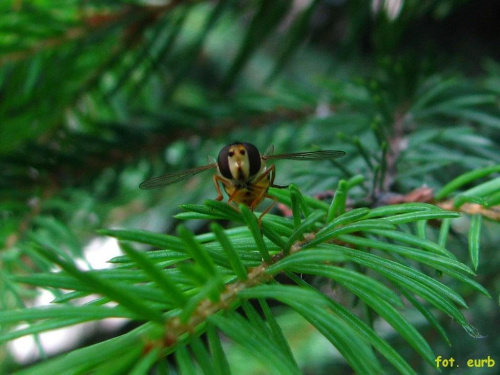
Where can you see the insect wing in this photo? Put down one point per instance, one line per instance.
(310, 155)
(269, 152)
(172, 178)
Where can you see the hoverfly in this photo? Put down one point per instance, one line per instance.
(243, 173)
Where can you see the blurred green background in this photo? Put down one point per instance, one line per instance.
(97, 96)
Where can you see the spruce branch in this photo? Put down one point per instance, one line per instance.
(175, 328)
(97, 97)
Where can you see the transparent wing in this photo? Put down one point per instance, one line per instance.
(172, 178)
(269, 152)
(311, 155)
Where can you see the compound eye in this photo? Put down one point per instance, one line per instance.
(223, 162)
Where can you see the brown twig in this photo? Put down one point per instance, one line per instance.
(492, 213)
(175, 328)
(396, 144)
(94, 22)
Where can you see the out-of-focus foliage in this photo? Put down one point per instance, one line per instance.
(376, 251)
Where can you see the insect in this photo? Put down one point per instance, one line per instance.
(242, 171)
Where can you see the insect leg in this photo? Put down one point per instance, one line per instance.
(216, 179)
(268, 172)
(228, 184)
(260, 192)
(271, 171)
(267, 209)
(233, 194)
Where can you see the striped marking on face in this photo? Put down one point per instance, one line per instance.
(238, 162)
